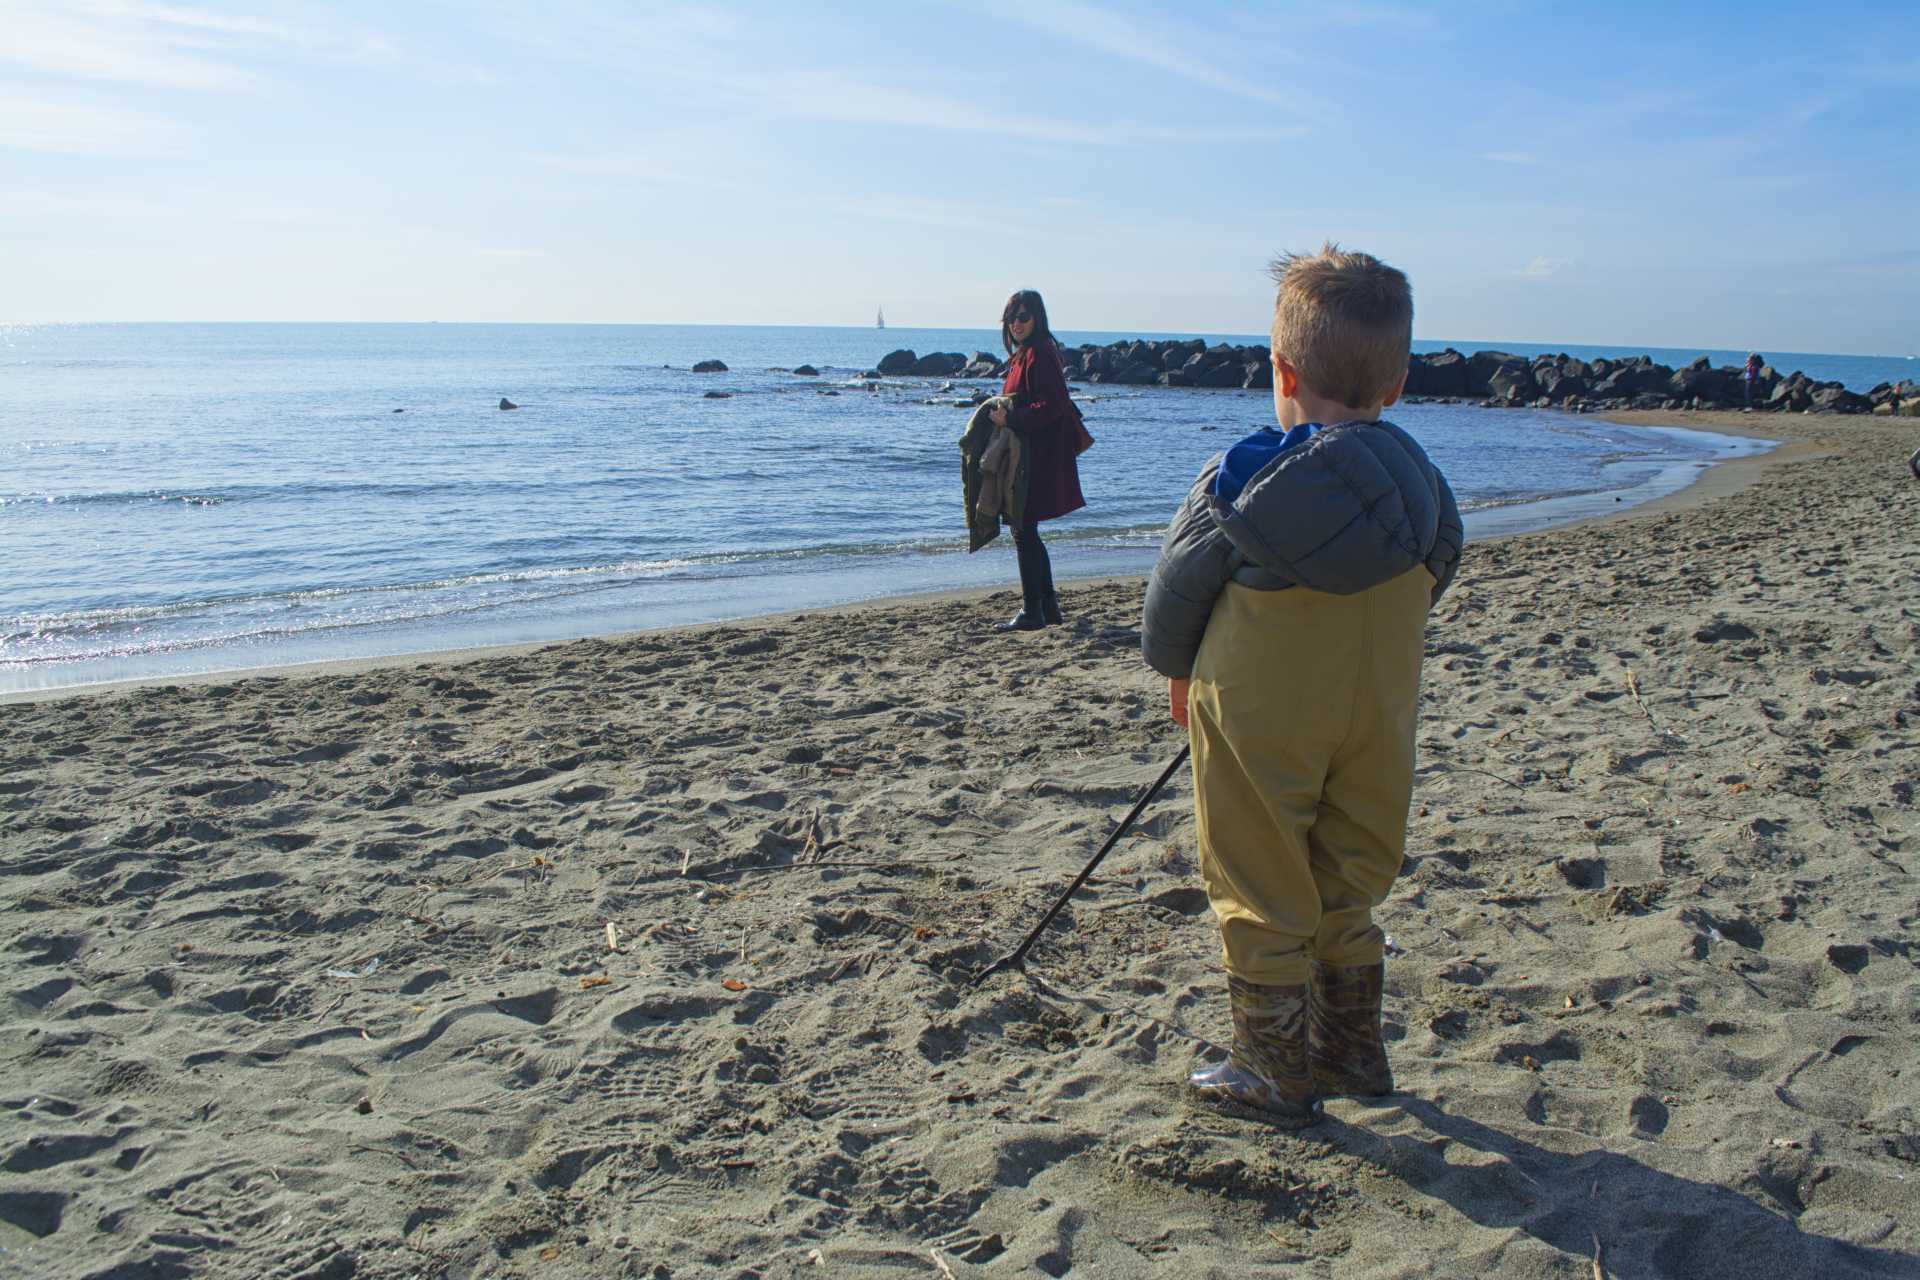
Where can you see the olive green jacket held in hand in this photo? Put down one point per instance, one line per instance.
(976, 480)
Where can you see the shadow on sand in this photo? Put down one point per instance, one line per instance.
(1650, 1223)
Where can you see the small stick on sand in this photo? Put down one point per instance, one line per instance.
(941, 1263)
(1599, 1272)
(1461, 768)
(809, 866)
(1633, 687)
(381, 1151)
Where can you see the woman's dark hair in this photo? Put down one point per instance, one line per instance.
(1029, 300)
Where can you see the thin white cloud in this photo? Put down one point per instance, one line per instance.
(1165, 48)
(1546, 268)
(833, 95)
(56, 204)
(1511, 157)
(948, 214)
(31, 124)
(130, 42)
(177, 15)
(1808, 110)
(1392, 17)
(63, 42)
(634, 167)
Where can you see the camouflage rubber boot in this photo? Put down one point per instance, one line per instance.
(1267, 1069)
(1349, 1057)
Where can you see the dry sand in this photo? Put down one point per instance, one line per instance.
(312, 977)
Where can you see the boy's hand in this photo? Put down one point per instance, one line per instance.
(1177, 695)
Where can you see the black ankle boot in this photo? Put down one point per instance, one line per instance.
(1028, 619)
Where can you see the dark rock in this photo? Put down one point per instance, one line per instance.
(507, 404)
(895, 362)
(1835, 398)
(718, 395)
(1225, 374)
(1561, 387)
(1616, 385)
(1634, 379)
(710, 366)
(806, 371)
(399, 410)
(1789, 397)
(937, 364)
(1481, 366)
(1176, 378)
(1438, 373)
(1699, 381)
(1137, 373)
(1259, 375)
(1512, 382)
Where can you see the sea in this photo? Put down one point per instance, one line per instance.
(188, 498)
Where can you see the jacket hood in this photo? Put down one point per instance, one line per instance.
(1357, 505)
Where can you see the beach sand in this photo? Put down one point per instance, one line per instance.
(311, 976)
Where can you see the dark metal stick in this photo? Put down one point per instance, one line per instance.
(1017, 958)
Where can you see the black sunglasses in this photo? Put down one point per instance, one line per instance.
(1020, 317)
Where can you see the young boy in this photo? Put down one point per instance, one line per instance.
(1288, 610)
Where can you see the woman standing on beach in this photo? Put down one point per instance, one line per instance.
(1044, 417)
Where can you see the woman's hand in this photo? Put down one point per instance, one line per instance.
(1177, 697)
(998, 415)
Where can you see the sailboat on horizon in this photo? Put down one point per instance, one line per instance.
(880, 319)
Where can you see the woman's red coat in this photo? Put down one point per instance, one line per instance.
(1051, 424)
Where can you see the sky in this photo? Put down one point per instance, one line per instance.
(1727, 176)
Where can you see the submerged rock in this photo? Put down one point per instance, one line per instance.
(710, 366)
(507, 404)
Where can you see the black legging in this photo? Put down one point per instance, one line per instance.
(1036, 568)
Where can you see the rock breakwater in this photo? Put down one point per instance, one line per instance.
(1496, 379)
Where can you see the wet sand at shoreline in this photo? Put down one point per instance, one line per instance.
(311, 974)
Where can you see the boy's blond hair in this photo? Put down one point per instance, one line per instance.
(1344, 321)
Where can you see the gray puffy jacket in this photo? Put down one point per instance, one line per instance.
(1357, 505)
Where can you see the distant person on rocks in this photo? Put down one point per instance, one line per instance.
(1750, 376)
(1289, 610)
(1043, 416)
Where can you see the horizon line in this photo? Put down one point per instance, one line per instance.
(1465, 345)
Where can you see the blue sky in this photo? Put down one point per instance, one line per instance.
(1692, 175)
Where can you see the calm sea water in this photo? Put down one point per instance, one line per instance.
(180, 498)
